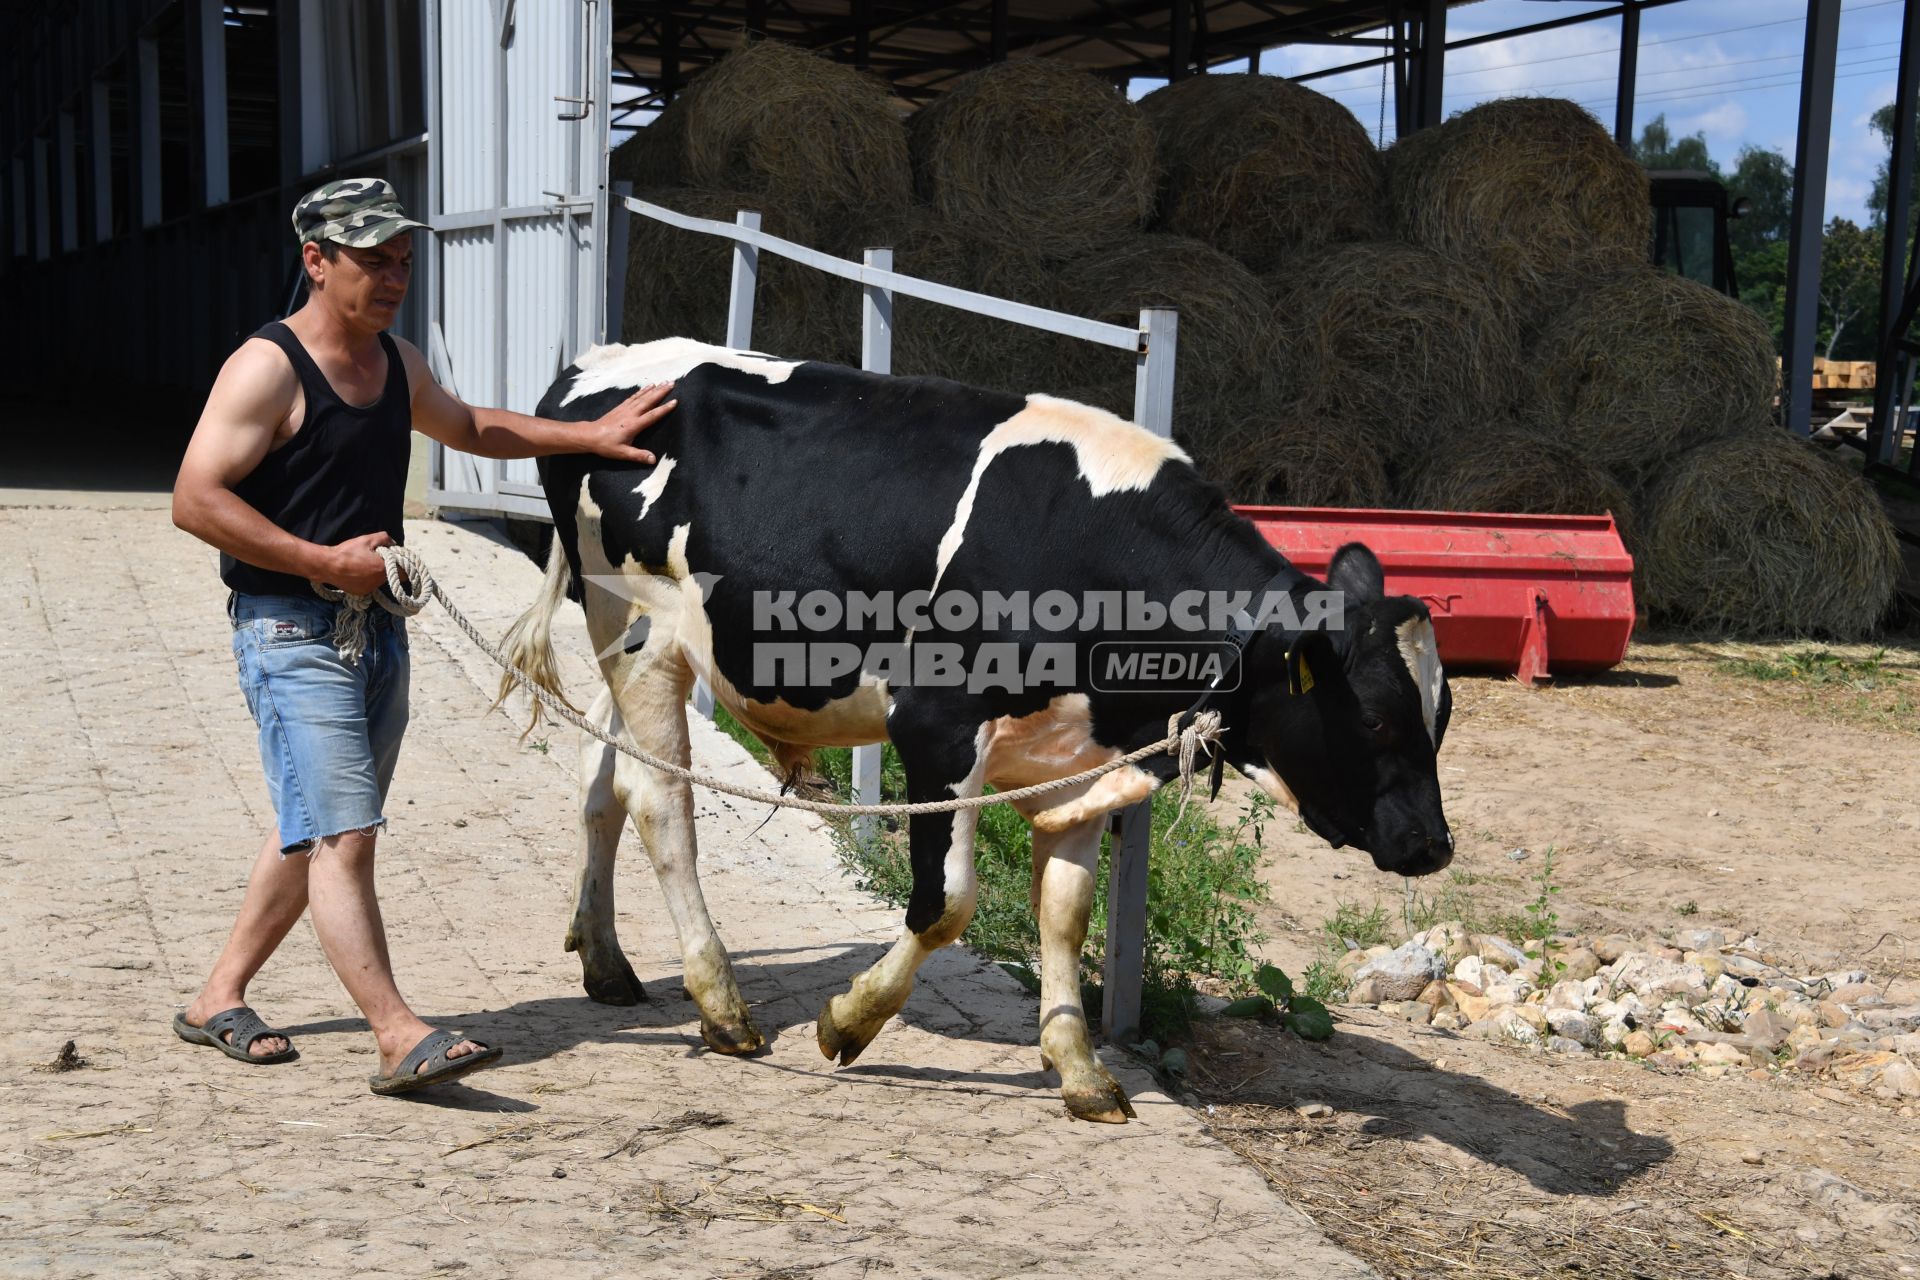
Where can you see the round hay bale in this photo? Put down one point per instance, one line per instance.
(1760, 535)
(1643, 364)
(1523, 186)
(1037, 153)
(933, 339)
(808, 135)
(1225, 344)
(1406, 342)
(1514, 468)
(678, 284)
(1279, 455)
(1260, 167)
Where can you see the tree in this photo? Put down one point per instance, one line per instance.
(1882, 181)
(1764, 179)
(1659, 149)
(1849, 282)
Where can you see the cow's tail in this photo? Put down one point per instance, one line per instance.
(528, 644)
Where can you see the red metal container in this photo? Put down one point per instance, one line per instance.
(1526, 594)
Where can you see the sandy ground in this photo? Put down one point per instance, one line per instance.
(610, 1142)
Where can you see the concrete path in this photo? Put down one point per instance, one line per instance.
(610, 1143)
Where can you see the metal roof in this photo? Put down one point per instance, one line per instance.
(922, 45)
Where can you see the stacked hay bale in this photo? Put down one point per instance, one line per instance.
(1037, 154)
(818, 148)
(1261, 450)
(1262, 168)
(1401, 344)
(1516, 468)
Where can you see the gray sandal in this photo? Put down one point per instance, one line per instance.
(413, 1073)
(246, 1027)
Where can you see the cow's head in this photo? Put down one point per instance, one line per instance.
(1347, 722)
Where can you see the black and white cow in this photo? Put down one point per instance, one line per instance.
(776, 477)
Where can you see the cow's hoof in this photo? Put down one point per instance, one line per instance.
(620, 986)
(1102, 1101)
(734, 1037)
(837, 1041)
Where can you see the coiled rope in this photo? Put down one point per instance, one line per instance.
(410, 584)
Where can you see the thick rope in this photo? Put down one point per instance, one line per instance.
(411, 585)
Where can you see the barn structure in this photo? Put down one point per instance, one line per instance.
(152, 149)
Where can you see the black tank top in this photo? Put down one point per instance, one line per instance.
(343, 474)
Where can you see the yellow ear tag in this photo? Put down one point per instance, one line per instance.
(1306, 673)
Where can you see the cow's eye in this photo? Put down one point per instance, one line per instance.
(1373, 722)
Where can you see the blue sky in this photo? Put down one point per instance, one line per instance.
(1725, 68)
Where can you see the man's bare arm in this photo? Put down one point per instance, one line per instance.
(250, 399)
(500, 433)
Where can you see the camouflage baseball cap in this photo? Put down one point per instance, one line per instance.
(356, 212)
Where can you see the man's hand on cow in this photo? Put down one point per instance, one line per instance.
(612, 436)
(355, 565)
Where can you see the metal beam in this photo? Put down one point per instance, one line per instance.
(1433, 62)
(1883, 442)
(207, 101)
(1180, 39)
(1809, 210)
(1623, 92)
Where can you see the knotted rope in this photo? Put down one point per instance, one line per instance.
(411, 585)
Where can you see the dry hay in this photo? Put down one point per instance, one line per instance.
(1224, 340)
(1278, 455)
(804, 133)
(1523, 186)
(933, 339)
(1644, 364)
(678, 283)
(1260, 167)
(1513, 468)
(1760, 535)
(1405, 343)
(1039, 154)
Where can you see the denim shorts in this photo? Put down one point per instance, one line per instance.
(329, 730)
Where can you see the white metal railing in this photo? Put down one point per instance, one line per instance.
(1155, 345)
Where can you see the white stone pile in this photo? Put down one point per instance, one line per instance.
(1695, 1000)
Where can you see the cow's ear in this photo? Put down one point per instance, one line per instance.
(1313, 663)
(1355, 572)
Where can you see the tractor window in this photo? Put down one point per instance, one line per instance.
(1683, 241)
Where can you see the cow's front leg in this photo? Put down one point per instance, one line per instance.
(607, 976)
(1064, 867)
(942, 762)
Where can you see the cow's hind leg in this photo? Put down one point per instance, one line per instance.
(608, 978)
(1064, 867)
(652, 696)
(941, 764)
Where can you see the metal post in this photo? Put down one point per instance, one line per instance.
(67, 163)
(1179, 39)
(1153, 370)
(1629, 68)
(1125, 966)
(100, 159)
(1809, 210)
(876, 356)
(143, 118)
(619, 222)
(1883, 443)
(746, 274)
(207, 100)
(1433, 58)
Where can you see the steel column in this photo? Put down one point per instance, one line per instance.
(1179, 39)
(1883, 442)
(876, 356)
(207, 101)
(1433, 62)
(100, 158)
(143, 129)
(1623, 93)
(1809, 210)
(1125, 965)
